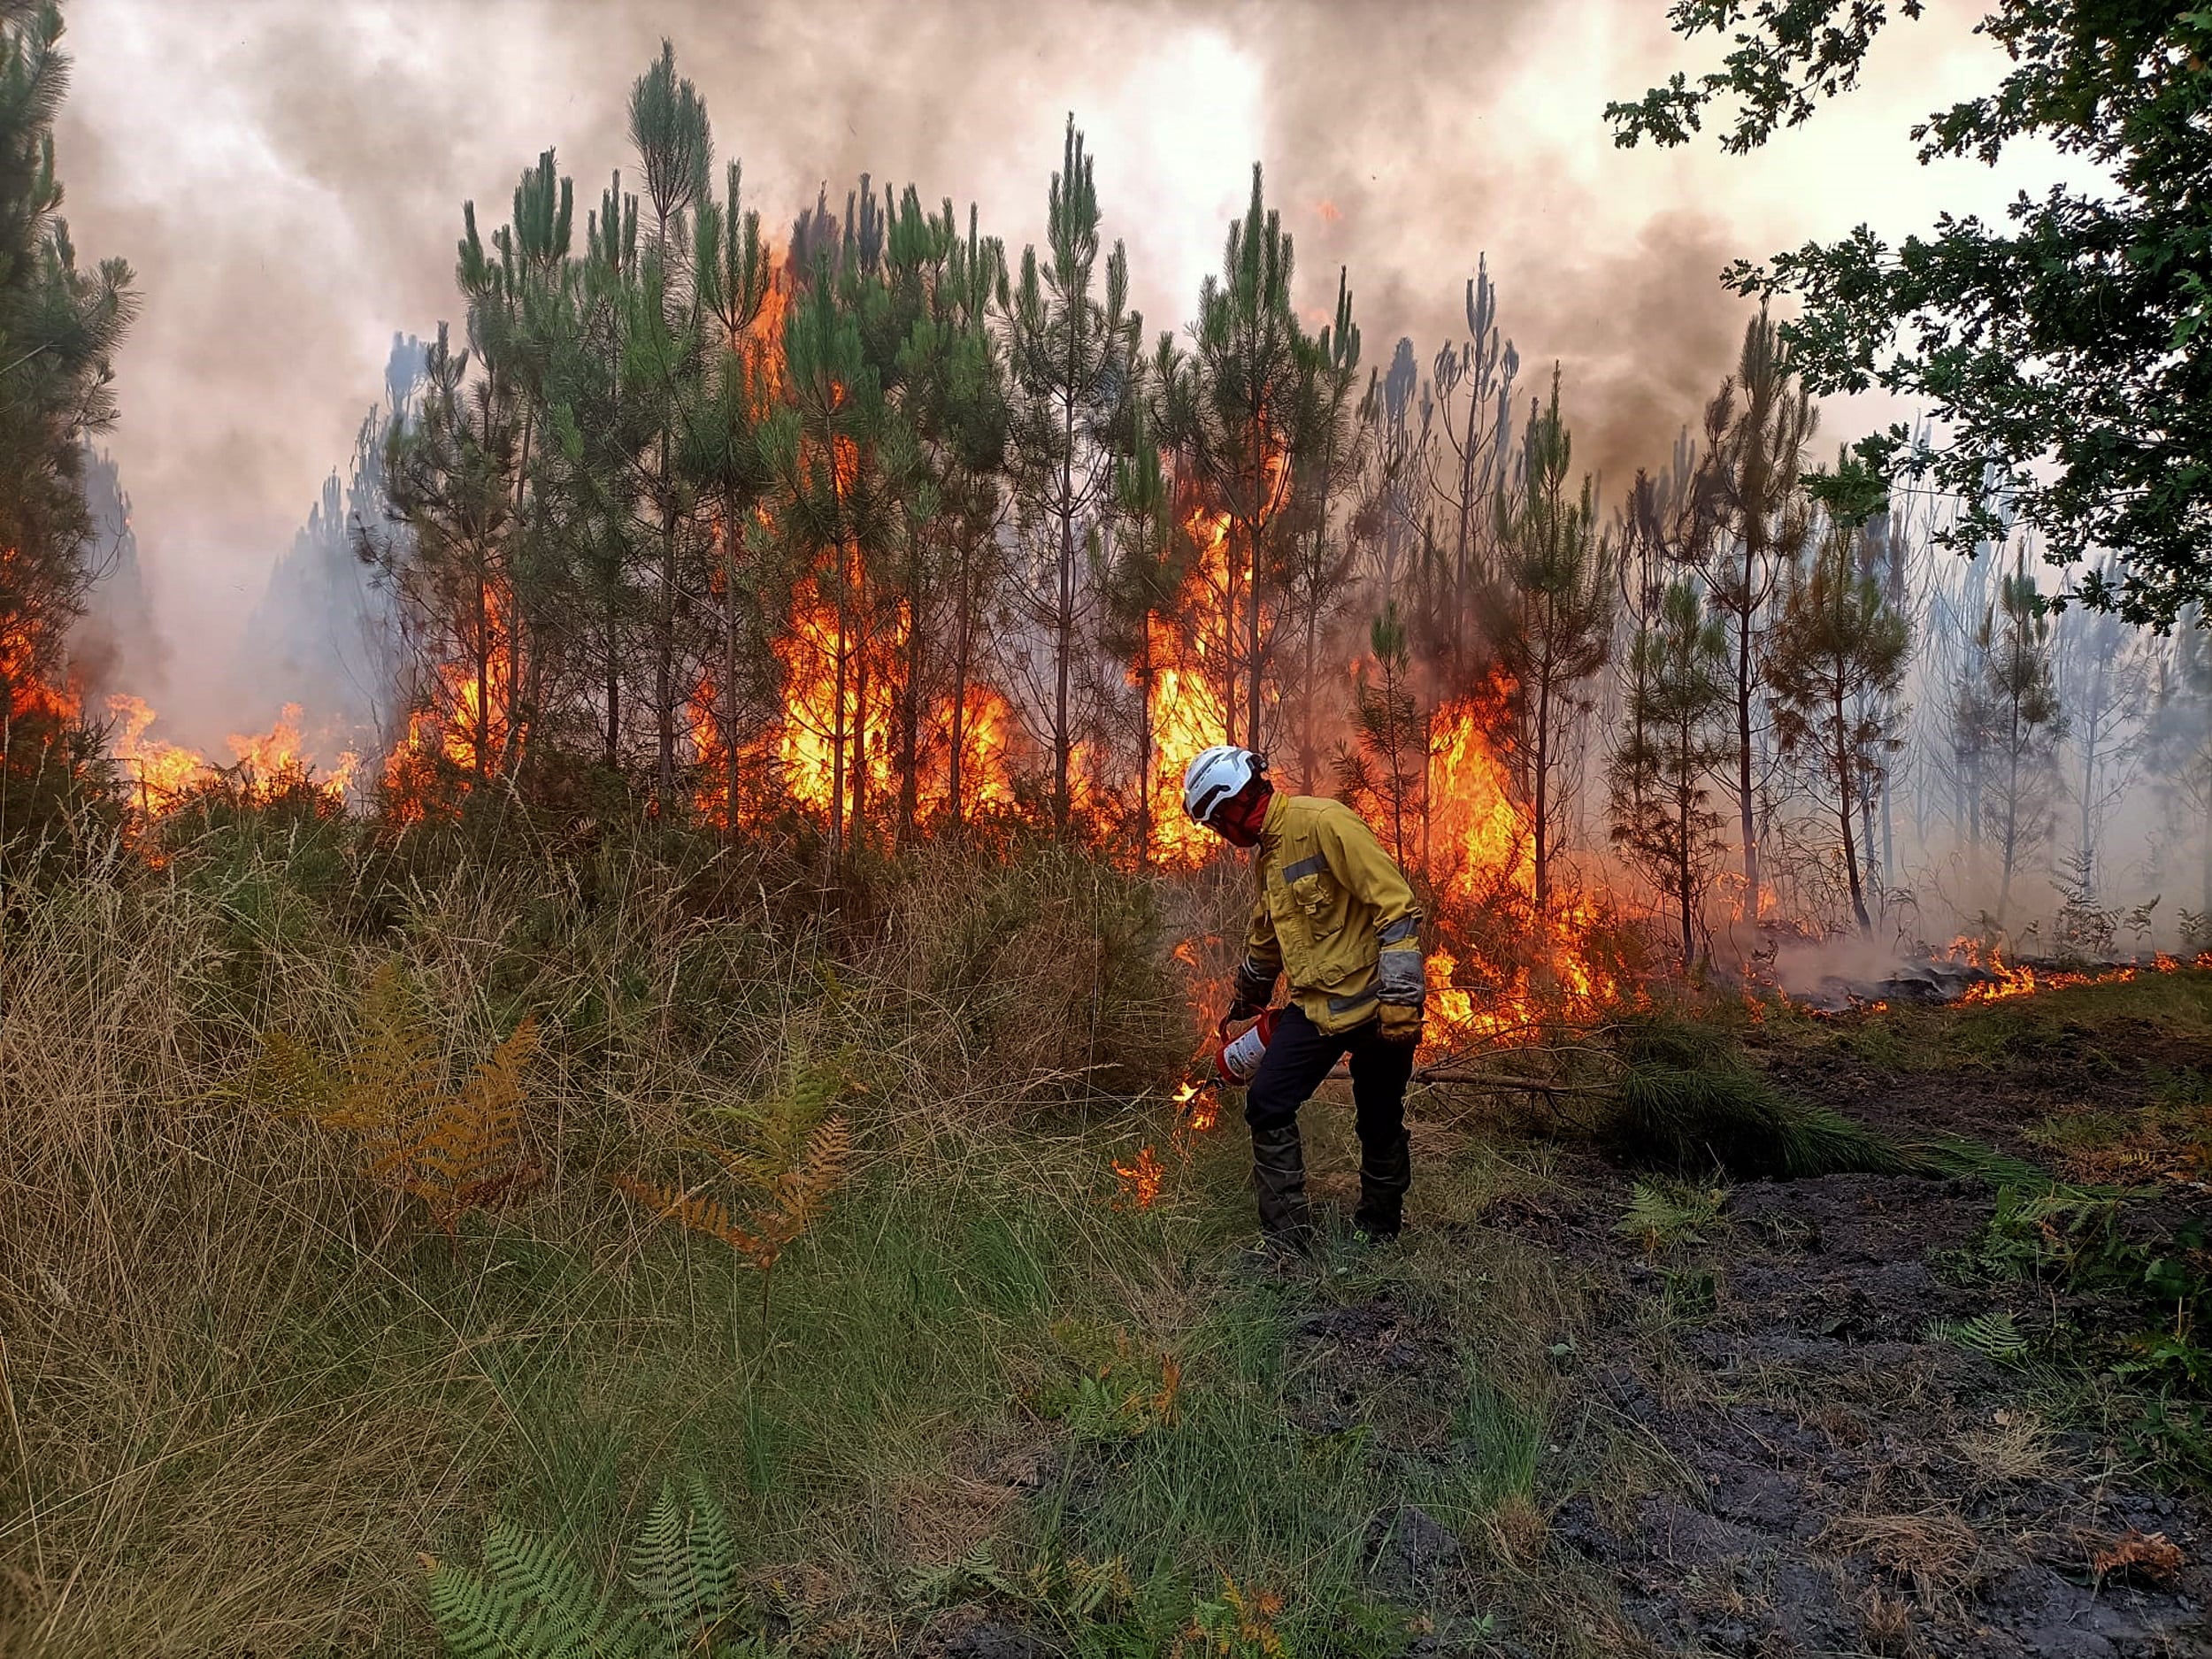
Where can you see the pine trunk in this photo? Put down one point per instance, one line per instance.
(1252, 594)
(838, 724)
(728, 709)
(1843, 814)
(910, 698)
(1747, 686)
(955, 763)
(857, 774)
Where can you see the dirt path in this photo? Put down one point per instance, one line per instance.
(1851, 1486)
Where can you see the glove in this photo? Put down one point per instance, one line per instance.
(1402, 1022)
(1250, 989)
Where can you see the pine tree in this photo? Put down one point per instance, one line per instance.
(1756, 520)
(1330, 461)
(1152, 556)
(943, 365)
(1071, 349)
(1674, 738)
(515, 296)
(663, 358)
(1396, 491)
(958, 396)
(599, 427)
(1244, 425)
(2011, 719)
(719, 459)
(1551, 623)
(59, 328)
(1835, 658)
(1473, 405)
(825, 446)
(1386, 775)
(452, 477)
(1884, 555)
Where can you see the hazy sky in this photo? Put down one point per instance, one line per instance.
(287, 178)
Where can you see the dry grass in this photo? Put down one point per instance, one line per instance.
(243, 1388)
(1936, 1552)
(2014, 1446)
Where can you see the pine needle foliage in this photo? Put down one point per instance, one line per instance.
(454, 1150)
(530, 1602)
(1685, 1098)
(1385, 777)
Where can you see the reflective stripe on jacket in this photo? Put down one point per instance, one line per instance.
(1334, 913)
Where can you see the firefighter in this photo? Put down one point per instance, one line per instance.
(1336, 916)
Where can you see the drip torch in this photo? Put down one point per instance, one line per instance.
(1226, 1062)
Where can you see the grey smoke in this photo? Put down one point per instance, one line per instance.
(288, 175)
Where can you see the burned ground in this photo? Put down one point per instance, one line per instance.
(1770, 1417)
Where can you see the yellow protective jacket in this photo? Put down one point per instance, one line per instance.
(1334, 913)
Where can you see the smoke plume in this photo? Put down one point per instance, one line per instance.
(287, 180)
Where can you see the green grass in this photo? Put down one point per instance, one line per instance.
(2090, 1026)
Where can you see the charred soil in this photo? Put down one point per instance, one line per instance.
(1592, 1409)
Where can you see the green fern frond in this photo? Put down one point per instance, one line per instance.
(1663, 1214)
(1993, 1335)
(567, 1617)
(478, 1620)
(660, 1571)
(684, 1566)
(713, 1549)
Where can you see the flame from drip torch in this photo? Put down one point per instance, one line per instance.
(1140, 1180)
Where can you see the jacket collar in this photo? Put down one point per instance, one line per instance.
(1272, 827)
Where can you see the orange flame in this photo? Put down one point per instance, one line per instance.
(2013, 980)
(1140, 1180)
(29, 693)
(1186, 703)
(465, 723)
(262, 764)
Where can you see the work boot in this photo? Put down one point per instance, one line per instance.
(1278, 1177)
(1385, 1170)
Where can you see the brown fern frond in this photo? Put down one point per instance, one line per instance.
(453, 1151)
(292, 1076)
(819, 1173)
(472, 1135)
(709, 1216)
(391, 1072)
(798, 1193)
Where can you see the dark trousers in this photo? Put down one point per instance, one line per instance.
(1301, 1056)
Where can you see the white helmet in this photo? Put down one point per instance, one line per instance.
(1218, 776)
